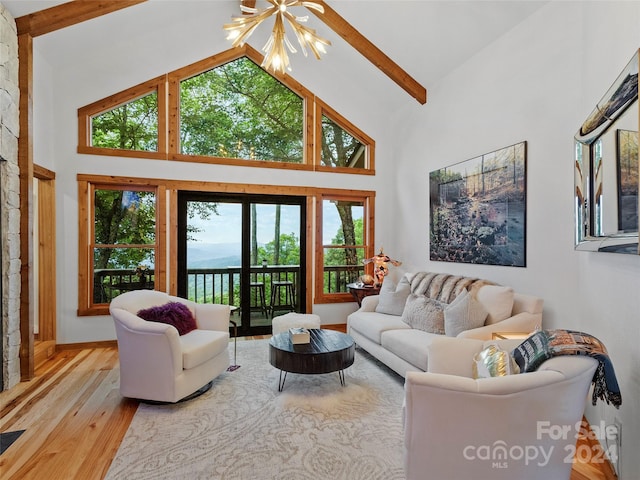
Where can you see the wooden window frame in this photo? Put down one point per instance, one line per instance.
(368, 202)
(167, 87)
(166, 238)
(87, 185)
(321, 108)
(86, 114)
(190, 71)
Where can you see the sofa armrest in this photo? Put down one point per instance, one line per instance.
(147, 348)
(212, 316)
(521, 322)
(369, 303)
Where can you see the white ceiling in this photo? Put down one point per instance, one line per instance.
(427, 38)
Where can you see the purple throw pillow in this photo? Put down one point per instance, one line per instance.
(172, 313)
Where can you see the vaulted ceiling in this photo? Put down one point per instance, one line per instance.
(424, 39)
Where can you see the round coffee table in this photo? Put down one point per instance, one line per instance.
(328, 351)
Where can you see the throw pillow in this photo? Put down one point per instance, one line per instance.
(172, 313)
(424, 313)
(533, 352)
(393, 298)
(464, 313)
(493, 362)
(498, 301)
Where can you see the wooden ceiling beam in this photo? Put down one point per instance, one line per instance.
(371, 52)
(67, 14)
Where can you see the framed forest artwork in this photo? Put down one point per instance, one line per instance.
(478, 209)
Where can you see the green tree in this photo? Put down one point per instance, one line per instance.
(132, 126)
(238, 110)
(124, 217)
(288, 253)
(339, 148)
(343, 256)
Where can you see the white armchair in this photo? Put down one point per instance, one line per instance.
(158, 364)
(512, 427)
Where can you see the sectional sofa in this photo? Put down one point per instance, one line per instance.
(398, 325)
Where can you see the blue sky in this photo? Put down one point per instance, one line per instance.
(226, 227)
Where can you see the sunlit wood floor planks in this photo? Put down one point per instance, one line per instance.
(74, 420)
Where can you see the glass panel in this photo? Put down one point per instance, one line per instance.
(216, 270)
(342, 266)
(340, 148)
(238, 110)
(214, 252)
(342, 222)
(275, 260)
(342, 225)
(118, 270)
(628, 173)
(124, 217)
(132, 126)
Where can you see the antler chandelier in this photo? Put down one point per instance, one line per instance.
(276, 57)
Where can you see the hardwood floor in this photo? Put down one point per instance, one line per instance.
(74, 420)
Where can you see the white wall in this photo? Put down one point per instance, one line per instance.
(538, 83)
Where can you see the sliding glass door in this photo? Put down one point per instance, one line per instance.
(246, 251)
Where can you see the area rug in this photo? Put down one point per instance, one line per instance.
(244, 429)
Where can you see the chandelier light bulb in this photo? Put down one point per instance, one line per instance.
(276, 57)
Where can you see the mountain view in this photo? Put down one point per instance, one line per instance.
(213, 255)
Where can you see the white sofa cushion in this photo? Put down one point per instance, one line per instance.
(424, 313)
(372, 324)
(410, 345)
(200, 346)
(464, 313)
(393, 297)
(498, 301)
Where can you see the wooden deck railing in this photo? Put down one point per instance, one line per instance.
(222, 285)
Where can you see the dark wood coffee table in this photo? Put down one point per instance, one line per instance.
(328, 351)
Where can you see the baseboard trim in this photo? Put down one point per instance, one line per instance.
(86, 345)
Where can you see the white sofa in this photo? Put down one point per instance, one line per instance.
(520, 426)
(404, 348)
(158, 364)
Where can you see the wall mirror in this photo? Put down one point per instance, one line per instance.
(606, 169)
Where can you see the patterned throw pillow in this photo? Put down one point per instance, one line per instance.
(532, 352)
(493, 362)
(424, 313)
(464, 313)
(172, 313)
(392, 299)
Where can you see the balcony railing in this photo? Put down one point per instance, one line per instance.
(222, 285)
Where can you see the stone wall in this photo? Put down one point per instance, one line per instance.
(9, 200)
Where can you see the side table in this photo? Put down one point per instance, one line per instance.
(359, 292)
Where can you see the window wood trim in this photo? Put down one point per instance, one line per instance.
(86, 113)
(368, 229)
(167, 212)
(321, 108)
(167, 87)
(86, 241)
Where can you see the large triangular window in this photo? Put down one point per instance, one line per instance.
(238, 110)
(225, 109)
